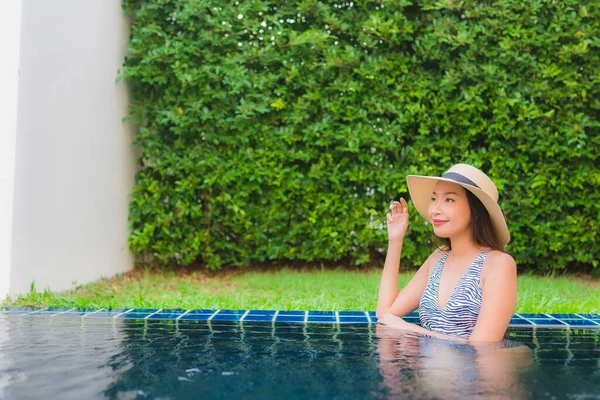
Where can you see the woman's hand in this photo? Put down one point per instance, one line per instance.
(387, 319)
(397, 221)
(395, 322)
(398, 323)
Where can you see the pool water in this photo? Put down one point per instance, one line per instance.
(74, 357)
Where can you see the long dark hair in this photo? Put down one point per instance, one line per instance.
(482, 229)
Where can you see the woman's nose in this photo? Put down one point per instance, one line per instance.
(433, 208)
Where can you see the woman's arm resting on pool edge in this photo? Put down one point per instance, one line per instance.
(399, 323)
(498, 302)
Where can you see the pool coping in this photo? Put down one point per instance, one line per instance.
(528, 320)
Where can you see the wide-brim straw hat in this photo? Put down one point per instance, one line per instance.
(474, 180)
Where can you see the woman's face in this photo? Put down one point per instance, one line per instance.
(449, 209)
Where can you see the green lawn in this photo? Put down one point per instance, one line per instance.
(287, 289)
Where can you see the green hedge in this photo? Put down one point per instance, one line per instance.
(280, 131)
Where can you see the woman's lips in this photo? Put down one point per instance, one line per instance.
(438, 222)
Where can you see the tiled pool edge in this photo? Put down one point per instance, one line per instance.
(579, 320)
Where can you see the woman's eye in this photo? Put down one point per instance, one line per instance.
(450, 200)
(433, 199)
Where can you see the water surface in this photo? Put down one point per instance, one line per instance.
(71, 357)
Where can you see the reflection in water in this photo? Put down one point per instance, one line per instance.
(424, 367)
(5, 362)
(43, 357)
(65, 357)
(260, 360)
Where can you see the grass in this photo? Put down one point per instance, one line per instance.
(286, 289)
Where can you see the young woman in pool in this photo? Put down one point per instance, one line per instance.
(467, 290)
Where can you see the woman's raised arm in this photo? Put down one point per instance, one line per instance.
(389, 301)
(407, 300)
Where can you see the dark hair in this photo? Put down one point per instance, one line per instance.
(482, 229)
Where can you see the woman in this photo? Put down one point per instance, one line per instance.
(467, 290)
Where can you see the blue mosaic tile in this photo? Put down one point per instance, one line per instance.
(289, 318)
(161, 316)
(195, 317)
(226, 317)
(258, 318)
(239, 313)
(314, 316)
(286, 313)
(320, 313)
(546, 322)
(516, 321)
(262, 312)
(134, 315)
(580, 322)
(202, 312)
(322, 319)
(145, 310)
(591, 316)
(350, 319)
(352, 313)
(171, 311)
(567, 316)
(166, 314)
(530, 315)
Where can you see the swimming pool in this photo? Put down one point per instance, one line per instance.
(127, 354)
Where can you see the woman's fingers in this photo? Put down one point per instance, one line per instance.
(404, 205)
(399, 206)
(398, 209)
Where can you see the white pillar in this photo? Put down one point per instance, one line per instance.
(10, 35)
(74, 163)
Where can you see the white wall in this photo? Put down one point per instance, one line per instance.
(74, 160)
(10, 32)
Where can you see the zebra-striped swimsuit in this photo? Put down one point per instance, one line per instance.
(459, 315)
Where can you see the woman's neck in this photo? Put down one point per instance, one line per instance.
(464, 245)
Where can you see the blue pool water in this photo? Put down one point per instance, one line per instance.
(45, 355)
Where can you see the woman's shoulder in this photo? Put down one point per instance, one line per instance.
(497, 261)
(435, 257)
(438, 253)
(501, 257)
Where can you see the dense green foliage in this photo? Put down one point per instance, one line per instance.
(281, 130)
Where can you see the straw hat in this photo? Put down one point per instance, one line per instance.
(421, 187)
